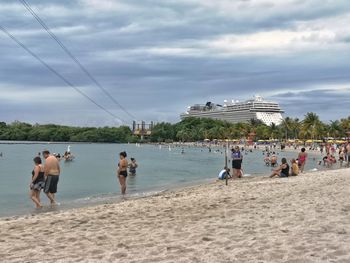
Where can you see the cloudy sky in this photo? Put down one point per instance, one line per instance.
(156, 57)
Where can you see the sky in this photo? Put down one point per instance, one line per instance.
(157, 57)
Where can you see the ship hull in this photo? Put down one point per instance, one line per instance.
(235, 116)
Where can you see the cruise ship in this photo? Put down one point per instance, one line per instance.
(257, 108)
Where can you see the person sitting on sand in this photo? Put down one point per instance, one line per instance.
(132, 167)
(224, 173)
(38, 182)
(295, 168)
(122, 171)
(282, 170)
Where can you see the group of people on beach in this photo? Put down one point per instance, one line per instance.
(284, 169)
(297, 166)
(237, 158)
(330, 159)
(44, 177)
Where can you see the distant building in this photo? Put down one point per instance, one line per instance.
(142, 129)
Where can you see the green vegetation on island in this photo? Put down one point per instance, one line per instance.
(195, 129)
(189, 129)
(19, 131)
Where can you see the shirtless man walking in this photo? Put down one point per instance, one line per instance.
(51, 171)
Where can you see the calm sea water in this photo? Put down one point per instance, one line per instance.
(91, 178)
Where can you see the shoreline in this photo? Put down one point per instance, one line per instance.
(116, 198)
(296, 219)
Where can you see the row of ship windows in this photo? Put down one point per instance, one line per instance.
(254, 107)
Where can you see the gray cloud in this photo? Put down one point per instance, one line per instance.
(157, 57)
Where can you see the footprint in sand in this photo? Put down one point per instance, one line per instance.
(96, 252)
(118, 255)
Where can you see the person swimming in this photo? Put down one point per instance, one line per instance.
(273, 160)
(132, 167)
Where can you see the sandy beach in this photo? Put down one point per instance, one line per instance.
(295, 219)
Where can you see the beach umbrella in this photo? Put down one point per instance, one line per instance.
(340, 141)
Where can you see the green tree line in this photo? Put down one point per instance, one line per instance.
(195, 129)
(19, 131)
(189, 129)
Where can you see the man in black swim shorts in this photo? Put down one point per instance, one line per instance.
(52, 172)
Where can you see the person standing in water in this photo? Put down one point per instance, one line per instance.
(237, 162)
(347, 150)
(52, 172)
(132, 167)
(122, 172)
(302, 159)
(38, 182)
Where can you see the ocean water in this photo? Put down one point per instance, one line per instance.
(91, 177)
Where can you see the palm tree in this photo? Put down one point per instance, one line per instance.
(296, 127)
(345, 125)
(274, 131)
(287, 126)
(334, 129)
(255, 123)
(311, 125)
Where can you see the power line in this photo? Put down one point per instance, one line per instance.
(56, 73)
(65, 49)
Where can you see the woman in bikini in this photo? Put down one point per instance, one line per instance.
(302, 159)
(37, 183)
(122, 172)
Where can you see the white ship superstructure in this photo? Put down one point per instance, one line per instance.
(259, 109)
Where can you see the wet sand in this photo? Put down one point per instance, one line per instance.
(296, 219)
